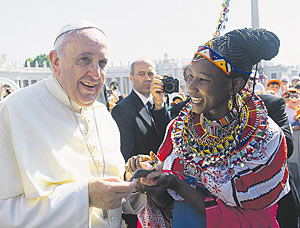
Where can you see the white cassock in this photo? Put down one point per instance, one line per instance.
(45, 164)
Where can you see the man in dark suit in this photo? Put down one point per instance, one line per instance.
(142, 116)
(142, 128)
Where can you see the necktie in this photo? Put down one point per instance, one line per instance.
(149, 106)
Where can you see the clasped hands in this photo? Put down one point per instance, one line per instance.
(154, 183)
(108, 192)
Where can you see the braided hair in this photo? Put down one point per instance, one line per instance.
(246, 47)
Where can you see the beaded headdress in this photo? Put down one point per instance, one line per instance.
(206, 52)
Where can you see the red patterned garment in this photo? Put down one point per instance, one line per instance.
(251, 174)
(244, 170)
(220, 215)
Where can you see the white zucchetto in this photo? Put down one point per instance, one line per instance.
(76, 26)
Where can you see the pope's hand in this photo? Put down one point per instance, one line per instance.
(107, 193)
(296, 128)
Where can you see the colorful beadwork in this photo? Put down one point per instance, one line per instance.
(223, 18)
(206, 52)
(224, 142)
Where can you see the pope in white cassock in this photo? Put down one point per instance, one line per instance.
(61, 164)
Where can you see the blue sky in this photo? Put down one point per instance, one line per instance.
(142, 28)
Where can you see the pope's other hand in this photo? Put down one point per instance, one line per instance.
(107, 193)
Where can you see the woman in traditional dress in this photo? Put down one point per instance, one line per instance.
(224, 159)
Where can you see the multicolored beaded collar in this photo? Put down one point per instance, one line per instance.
(200, 149)
(206, 52)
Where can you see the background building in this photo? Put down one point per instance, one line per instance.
(277, 71)
(25, 76)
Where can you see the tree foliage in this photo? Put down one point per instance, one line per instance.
(40, 59)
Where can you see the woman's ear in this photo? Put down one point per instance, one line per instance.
(238, 84)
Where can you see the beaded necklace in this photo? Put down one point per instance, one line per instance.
(201, 147)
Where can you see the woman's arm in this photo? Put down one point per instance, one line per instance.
(163, 200)
(158, 192)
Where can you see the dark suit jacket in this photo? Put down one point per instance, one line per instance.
(175, 110)
(138, 133)
(276, 110)
(288, 206)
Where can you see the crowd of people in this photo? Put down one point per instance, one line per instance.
(215, 158)
(289, 90)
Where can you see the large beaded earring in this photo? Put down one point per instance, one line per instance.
(230, 104)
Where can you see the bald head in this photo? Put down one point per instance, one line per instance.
(141, 60)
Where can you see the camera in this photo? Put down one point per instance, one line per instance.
(109, 91)
(170, 85)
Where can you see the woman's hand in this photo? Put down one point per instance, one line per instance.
(158, 188)
(158, 185)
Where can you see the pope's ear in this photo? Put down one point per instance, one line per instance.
(238, 84)
(54, 59)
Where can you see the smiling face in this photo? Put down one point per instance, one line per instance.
(81, 68)
(209, 89)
